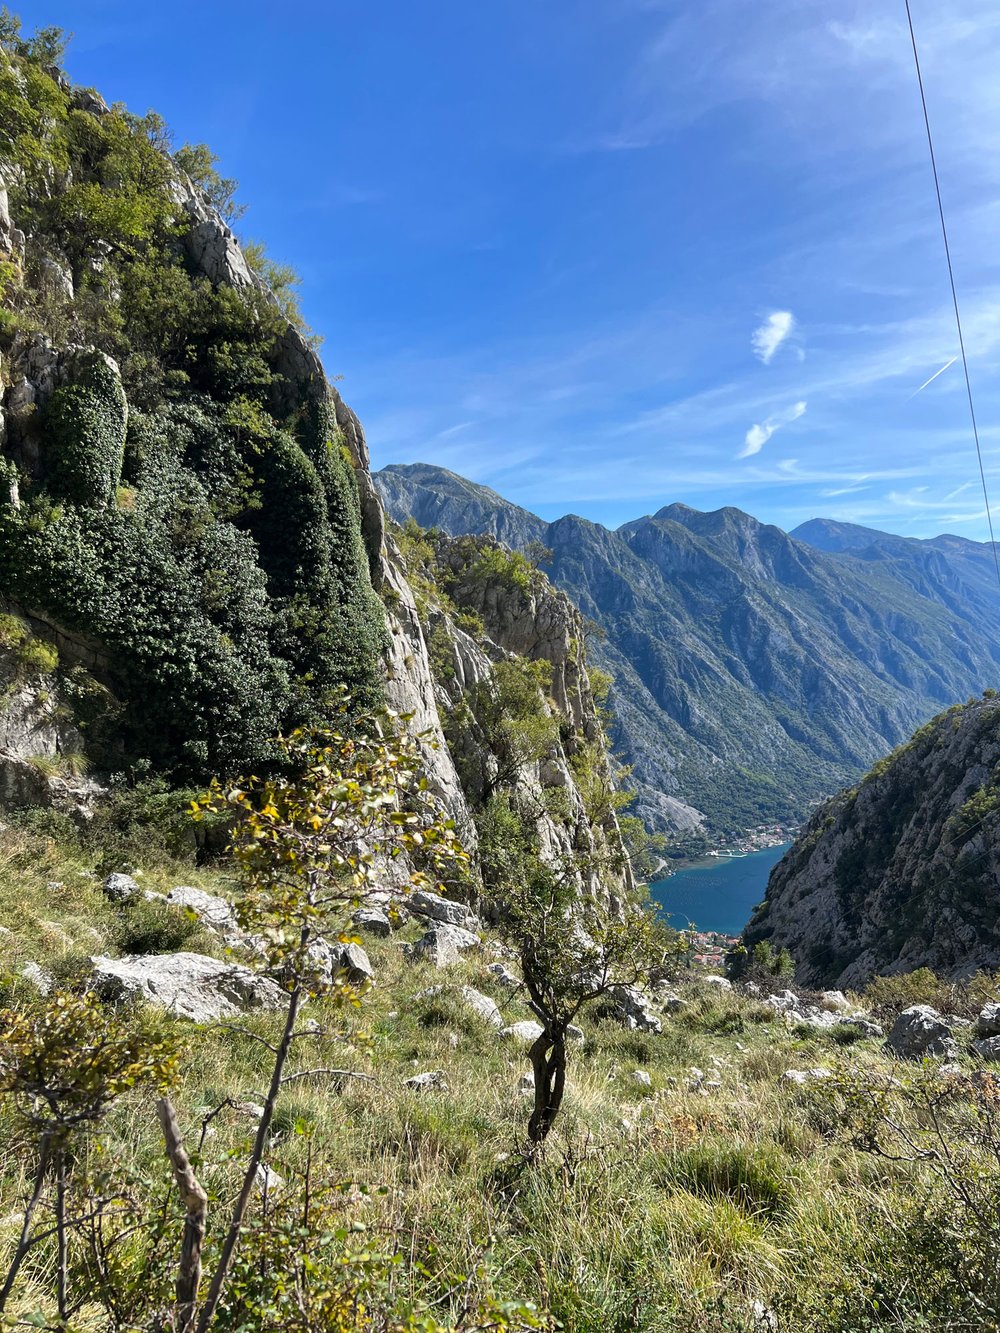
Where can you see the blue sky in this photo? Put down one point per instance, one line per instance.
(607, 254)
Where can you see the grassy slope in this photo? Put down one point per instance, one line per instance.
(655, 1209)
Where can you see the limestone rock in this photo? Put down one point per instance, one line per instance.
(526, 1032)
(431, 1078)
(424, 903)
(988, 1022)
(189, 985)
(119, 888)
(988, 1049)
(38, 977)
(373, 921)
(632, 1009)
(919, 1031)
(800, 1078)
(503, 977)
(211, 910)
(444, 945)
(476, 1000)
(720, 983)
(641, 1078)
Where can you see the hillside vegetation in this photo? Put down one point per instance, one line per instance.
(900, 871)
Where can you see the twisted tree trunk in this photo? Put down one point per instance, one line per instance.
(195, 1202)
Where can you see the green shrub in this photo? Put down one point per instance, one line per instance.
(756, 1179)
(85, 436)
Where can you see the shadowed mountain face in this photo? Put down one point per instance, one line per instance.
(755, 670)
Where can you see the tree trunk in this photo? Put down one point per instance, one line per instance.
(195, 1202)
(62, 1271)
(24, 1240)
(548, 1060)
(250, 1177)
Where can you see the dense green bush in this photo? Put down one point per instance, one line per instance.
(213, 550)
(85, 435)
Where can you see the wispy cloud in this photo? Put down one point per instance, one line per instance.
(759, 434)
(769, 336)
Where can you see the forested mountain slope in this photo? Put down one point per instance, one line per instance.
(192, 552)
(901, 871)
(754, 672)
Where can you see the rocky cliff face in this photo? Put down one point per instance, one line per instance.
(192, 549)
(901, 871)
(753, 671)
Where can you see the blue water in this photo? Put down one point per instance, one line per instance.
(719, 895)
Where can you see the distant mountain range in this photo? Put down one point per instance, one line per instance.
(755, 670)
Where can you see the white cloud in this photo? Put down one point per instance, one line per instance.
(771, 334)
(759, 433)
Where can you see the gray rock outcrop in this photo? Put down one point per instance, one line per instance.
(920, 1031)
(188, 985)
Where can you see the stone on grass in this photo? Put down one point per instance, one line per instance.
(444, 945)
(188, 985)
(802, 1077)
(503, 977)
(526, 1032)
(835, 1000)
(432, 1078)
(573, 1033)
(351, 959)
(120, 888)
(39, 977)
(641, 1078)
(720, 983)
(373, 922)
(988, 1022)
(422, 902)
(631, 1008)
(988, 1049)
(476, 1000)
(214, 912)
(526, 1084)
(919, 1031)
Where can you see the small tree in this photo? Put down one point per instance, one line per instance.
(65, 1062)
(310, 844)
(572, 951)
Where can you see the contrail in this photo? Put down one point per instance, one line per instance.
(933, 377)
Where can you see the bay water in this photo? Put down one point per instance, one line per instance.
(718, 893)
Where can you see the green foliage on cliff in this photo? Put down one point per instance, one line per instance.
(213, 551)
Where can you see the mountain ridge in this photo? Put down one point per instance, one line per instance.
(755, 671)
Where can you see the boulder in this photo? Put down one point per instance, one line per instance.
(801, 1077)
(836, 1001)
(988, 1022)
(373, 922)
(444, 945)
(573, 1033)
(353, 960)
(120, 888)
(988, 1049)
(214, 912)
(632, 1009)
(503, 977)
(641, 1078)
(432, 1078)
(422, 902)
(189, 985)
(721, 983)
(476, 1000)
(38, 977)
(526, 1032)
(919, 1031)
